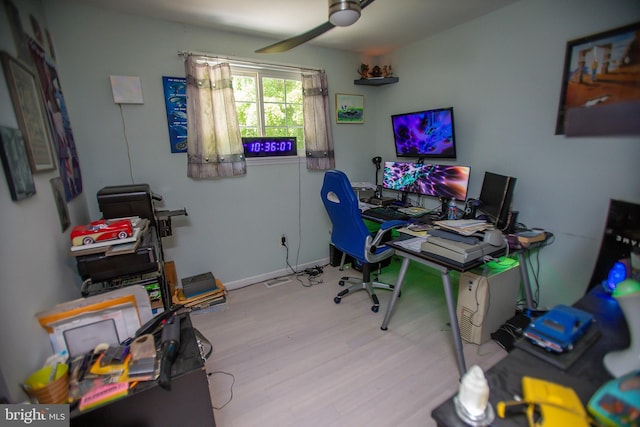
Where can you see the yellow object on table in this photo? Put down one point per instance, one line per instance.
(47, 386)
(547, 404)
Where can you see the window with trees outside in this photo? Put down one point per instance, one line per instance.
(269, 103)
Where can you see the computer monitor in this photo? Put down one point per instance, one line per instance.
(496, 197)
(443, 181)
(427, 134)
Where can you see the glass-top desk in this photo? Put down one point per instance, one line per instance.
(444, 265)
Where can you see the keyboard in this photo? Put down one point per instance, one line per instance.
(384, 214)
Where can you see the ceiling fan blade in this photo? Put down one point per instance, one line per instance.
(365, 3)
(290, 43)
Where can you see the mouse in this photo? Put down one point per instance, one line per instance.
(494, 237)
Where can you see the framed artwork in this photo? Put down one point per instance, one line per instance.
(65, 146)
(600, 92)
(349, 108)
(61, 204)
(30, 113)
(16, 164)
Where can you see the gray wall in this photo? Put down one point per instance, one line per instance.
(500, 72)
(502, 75)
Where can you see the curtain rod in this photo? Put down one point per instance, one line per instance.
(245, 61)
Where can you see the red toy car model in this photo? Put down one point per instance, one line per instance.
(98, 231)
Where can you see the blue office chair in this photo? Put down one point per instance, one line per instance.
(350, 235)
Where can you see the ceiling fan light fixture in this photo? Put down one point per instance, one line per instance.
(343, 13)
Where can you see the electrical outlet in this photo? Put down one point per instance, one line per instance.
(283, 240)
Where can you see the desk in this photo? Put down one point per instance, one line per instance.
(585, 375)
(444, 266)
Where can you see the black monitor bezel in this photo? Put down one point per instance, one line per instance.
(497, 186)
(444, 156)
(435, 195)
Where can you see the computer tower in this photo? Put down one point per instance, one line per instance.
(486, 300)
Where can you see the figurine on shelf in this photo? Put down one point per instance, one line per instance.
(387, 71)
(376, 72)
(363, 71)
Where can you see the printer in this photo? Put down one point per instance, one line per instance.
(136, 200)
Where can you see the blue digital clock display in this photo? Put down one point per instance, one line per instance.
(275, 146)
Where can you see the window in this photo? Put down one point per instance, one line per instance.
(269, 103)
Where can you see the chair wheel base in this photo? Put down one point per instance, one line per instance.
(337, 300)
(375, 308)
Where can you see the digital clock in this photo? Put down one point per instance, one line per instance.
(274, 146)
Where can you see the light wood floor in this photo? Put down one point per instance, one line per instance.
(299, 359)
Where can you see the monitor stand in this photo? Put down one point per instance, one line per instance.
(405, 200)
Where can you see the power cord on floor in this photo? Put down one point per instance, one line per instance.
(230, 388)
(314, 275)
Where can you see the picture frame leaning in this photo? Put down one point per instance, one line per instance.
(30, 113)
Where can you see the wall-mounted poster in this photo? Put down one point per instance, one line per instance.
(69, 164)
(175, 99)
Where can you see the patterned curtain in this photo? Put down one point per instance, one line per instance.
(317, 128)
(214, 144)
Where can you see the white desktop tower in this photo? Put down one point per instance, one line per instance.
(486, 301)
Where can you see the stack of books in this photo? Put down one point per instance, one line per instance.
(215, 296)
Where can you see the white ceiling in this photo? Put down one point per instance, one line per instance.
(385, 25)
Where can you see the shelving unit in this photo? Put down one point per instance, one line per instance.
(376, 81)
(105, 269)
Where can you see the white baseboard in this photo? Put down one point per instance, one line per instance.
(237, 284)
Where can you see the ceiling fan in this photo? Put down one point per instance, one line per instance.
(342, 13)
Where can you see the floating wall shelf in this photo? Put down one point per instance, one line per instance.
(376, 82)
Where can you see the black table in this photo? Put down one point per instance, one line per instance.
(188, 403)
(585, 375)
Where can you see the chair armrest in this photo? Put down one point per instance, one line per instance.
(385, 228)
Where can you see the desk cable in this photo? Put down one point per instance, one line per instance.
(233, 381)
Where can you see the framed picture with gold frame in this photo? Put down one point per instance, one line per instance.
(30, 113)
(349, 108)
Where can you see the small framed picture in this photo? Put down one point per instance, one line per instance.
(16, 164)
(349, 108)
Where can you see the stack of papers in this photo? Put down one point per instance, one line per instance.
(413, 244)
(466, 227)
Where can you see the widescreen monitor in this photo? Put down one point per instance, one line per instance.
(442, 181)
(496, 197)
(428, 134)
